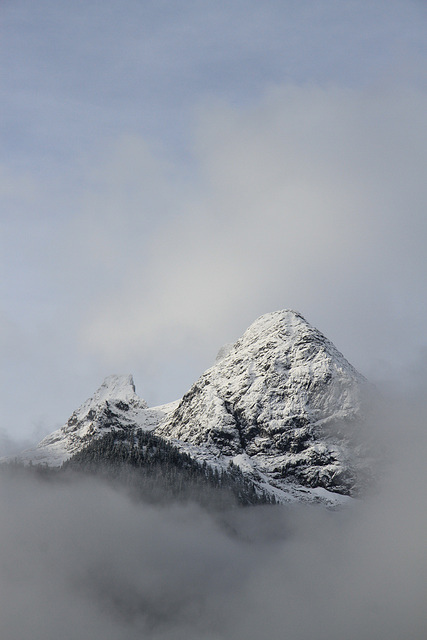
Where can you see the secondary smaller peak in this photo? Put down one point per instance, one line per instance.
(116, 387)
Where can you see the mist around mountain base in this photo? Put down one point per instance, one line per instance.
(83, 559)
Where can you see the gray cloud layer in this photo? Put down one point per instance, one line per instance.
(82, 560)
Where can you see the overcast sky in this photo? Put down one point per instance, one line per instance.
(170, 171)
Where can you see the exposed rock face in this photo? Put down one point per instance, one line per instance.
(285, 399)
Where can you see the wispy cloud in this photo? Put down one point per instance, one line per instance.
(314, 199)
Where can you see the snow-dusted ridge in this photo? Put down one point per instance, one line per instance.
(114, 406)
(282, 403)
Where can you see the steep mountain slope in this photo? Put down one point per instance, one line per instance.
(282, 402)
(114, 406)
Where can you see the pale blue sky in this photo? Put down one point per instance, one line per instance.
(171, 170)
(74, 73)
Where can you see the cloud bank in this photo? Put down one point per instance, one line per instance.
(81, 559)
(314, 200)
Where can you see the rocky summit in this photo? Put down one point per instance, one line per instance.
(282, 404)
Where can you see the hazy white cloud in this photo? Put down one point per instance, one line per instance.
(314, 200)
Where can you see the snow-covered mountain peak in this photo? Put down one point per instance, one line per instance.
(116, 388)
(114, 406)
(270, 331)
(116, 394)
(282, 397)
(282, 403)
(283, 319)
(286, 331)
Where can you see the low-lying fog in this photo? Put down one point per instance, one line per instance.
(82, 560)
